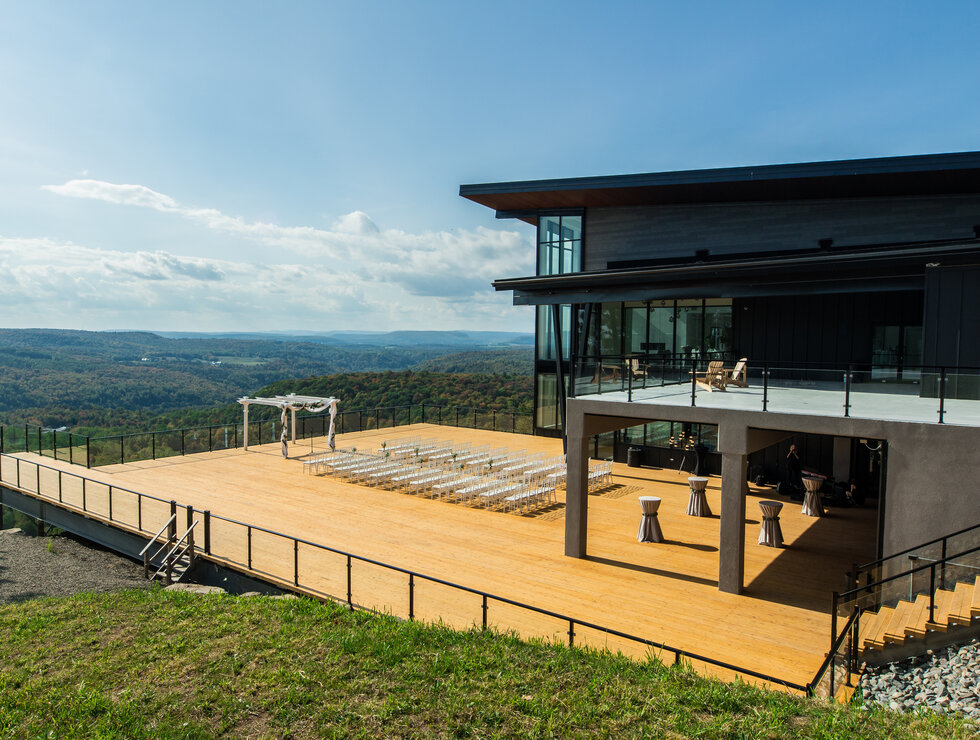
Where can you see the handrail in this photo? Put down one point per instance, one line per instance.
(152, 539)
(911, 571)
(880, 561)
(169, 559)
(486, 596)
(178, 543)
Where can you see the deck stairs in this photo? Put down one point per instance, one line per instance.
(167, 556)
(907, 620)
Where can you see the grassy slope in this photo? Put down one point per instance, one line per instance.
(156, 664)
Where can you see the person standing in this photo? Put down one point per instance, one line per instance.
(794, 470)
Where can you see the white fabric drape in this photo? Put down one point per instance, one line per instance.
(330, 432)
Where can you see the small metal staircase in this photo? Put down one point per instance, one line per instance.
(167, 556)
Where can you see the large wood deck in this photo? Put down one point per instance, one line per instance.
(665, 592)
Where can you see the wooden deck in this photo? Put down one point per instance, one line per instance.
(665, 592)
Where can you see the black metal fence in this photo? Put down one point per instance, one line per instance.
(162, 443)
(322, 571)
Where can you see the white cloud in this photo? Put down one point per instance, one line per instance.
(351, 275)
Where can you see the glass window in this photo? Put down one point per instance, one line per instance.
(610, 336)
(661, 327)
(689, 319)
(546, 335)
(636, 328)
(559, 244)
(547, 416)
(717, 327)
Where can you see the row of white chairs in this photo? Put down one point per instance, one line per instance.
(475, 478)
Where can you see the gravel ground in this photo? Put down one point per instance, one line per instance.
(31, 567)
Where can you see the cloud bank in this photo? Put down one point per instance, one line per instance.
(351, 275)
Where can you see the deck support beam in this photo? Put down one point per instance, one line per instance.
(577, 495)
(734, 443)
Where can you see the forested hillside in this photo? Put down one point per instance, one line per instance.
(129, 380)
(497, 362)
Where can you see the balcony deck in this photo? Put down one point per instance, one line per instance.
(664, 592)
(867, 401)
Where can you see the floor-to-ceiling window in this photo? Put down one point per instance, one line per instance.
(651, 341)
(559, 252)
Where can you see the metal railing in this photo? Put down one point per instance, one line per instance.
(936, 386)
(860, 599)
(144, 513)
(162, 443)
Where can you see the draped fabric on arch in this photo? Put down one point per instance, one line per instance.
(288, 406)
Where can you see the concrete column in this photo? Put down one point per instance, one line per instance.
(842, 459)
(731, 548)
(733, 443)
(245, 426)
(577, 496)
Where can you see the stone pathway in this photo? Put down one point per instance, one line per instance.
(945, 680)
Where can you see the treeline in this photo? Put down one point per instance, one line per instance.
(121, 380)
(507, 393)
(496, 362)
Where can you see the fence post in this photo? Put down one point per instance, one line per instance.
(250, 547)
(847, 392)
(83, 489)
(210, 439)
(423, 420)
(411, 596)
(942, 395)
(190, 535)
(694, 379)
(181, 441)
(765, 387)
(88, 452)
(571, 632)
(153, 445)
(71, 446)
(207, 531)
(2, 450)
(932, 592)
(833, 638)
(350, 602)
(494, 422)
(513, 422)
(110, 503)
(484, 611)
(172, 527)
(295, 562)
(122, 450)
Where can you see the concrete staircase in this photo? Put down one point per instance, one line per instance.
(909, 620)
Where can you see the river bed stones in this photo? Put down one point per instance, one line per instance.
(945, 680)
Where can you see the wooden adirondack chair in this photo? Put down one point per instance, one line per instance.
(738, 375)
(712, 378)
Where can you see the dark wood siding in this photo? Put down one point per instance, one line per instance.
(678, 231)
(835, 328)
(952, 317)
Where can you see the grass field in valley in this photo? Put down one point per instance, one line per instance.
(161, 664)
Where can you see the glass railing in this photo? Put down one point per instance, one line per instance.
(902, 393)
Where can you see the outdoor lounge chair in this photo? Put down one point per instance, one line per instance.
(636, 369)
(738, 375)
(712, 378)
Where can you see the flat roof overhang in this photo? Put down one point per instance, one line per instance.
(899, 268)
(929, 174)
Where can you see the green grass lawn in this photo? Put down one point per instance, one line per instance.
(157, 664)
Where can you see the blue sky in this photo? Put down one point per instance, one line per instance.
(295, 166)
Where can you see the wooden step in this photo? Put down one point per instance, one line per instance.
(941, 614)
(875, 636)
(959, 613)
(975, 606)
(895, 628)
(916, 626)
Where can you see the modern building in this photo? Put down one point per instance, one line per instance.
(851, 288)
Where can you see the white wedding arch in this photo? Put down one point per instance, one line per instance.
(292, 403)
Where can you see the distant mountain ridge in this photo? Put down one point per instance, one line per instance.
(403, 338)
